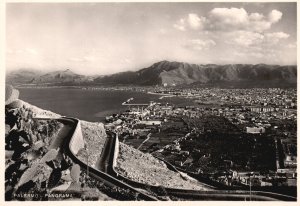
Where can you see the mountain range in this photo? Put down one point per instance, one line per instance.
(172, 74)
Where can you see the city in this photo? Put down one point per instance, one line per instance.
(257, 125)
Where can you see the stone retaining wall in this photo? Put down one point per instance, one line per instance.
(77, 141)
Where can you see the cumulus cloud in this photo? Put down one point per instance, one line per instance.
(275, 16)
(246, 38)
(275, 37)
(199, 44)
(196, 22)
(192, 21)
(224, 18)
(228, 19)
(256, 16)
(249, 38)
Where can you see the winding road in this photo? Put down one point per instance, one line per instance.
(63, 140)
(105, 173)
(213, 194)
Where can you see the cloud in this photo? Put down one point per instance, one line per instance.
(246, 38)
(196, 22)
(199, 44)
(254, 39)
(256, 16)
(275, 16)
(275, 37)
(180, 25)
(224, 18)
(229, 19)
(192, 21)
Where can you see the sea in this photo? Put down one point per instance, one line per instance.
(89, 105)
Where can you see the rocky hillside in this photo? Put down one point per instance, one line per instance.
(178, 73)
(145, 168)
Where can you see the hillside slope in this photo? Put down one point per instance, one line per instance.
(22, 76)
(60, 77)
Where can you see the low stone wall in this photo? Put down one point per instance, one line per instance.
(77, 141)
(116, 152)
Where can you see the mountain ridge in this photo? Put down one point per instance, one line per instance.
(180, 73)
(175, 74)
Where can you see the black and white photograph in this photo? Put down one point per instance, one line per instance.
(150, 101)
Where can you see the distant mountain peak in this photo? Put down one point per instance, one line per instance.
(68, 71)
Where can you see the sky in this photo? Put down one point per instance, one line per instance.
(105, 38)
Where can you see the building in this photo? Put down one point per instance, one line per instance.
(150, 123)
(255, 130)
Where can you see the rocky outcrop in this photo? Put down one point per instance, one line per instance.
(144, 168)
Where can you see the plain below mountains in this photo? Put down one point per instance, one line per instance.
(174, 74)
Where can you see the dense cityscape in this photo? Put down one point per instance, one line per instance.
(232, 136)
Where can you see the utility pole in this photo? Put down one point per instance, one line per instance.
(47, 138)
(250, 185)
(87, 162)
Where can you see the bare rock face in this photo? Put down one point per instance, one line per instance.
(147, 169)
(94, 137)
(38, 111)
